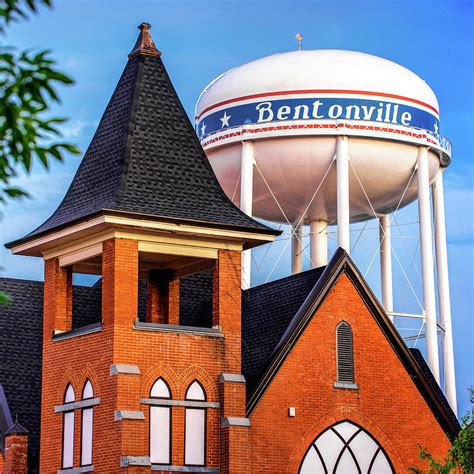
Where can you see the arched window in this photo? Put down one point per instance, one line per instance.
(345, 447)
(345, 355)
(68, 429)
(160, 425)
(195, 427)
(87, 426)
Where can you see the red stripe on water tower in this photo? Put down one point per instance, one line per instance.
(316, 91)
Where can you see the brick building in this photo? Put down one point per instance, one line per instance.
(165, 364)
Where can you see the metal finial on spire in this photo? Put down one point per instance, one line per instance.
(144, 44)
(299, 38)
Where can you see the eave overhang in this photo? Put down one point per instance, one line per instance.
(37, 244)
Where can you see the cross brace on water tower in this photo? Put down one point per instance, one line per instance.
(319, 249)
(359, 125)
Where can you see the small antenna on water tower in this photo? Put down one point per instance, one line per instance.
(299, 38)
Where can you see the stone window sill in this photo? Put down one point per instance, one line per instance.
(144, 461)
(209, 332)
(167, 468)
(350, 386)
(76, 470)
(90, 402)
(91, 328)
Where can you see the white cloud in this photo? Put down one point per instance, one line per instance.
(75, 128)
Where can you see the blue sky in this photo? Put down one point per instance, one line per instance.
(201, 39)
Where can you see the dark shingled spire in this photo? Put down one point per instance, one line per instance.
(145, 158)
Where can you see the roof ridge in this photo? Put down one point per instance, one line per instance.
(41, 282)
(131, 127)
(13, 279)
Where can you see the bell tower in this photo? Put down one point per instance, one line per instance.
(135, 382)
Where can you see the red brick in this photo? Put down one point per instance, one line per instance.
(387, 403)
(16, 454)
(178, 358)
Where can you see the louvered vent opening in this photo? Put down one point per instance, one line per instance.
(345, 359)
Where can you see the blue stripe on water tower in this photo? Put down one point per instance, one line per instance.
(318, 108)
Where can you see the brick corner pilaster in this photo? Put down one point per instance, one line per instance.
(16, 453)
(227, 304)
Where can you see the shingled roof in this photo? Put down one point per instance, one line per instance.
(433, 384)
(145, 158)
(267, 310)
(419, 372)
(21, 324)
(272, 315)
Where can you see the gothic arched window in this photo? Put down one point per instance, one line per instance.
(68, 430)
(345, 447)
(160, 425)
(87, 426)
(195, 427)
(345, 355)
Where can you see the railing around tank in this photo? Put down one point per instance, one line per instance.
(336, 126)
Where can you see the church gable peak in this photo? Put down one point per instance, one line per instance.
(342, 293)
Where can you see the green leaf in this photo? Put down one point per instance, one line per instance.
(54, 150)
(74, 150)
(28, 85)
(4, 298)
(15, 192)
(459, 457)
(13, 10)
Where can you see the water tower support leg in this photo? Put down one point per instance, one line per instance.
(386, 263)
(318, 243)
(296, 250)
(342, 185)
(246, 197)
(427, 263)
(443, 291)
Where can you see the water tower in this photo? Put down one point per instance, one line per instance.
(327, 136)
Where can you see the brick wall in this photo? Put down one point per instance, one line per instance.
(162, 305)
(387, 403)
(177, 357)
(57, 297)
(227, 305)
(16, 454)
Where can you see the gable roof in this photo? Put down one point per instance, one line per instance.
(267, 310)
(433, 384)
(16, 429)
(273, 316)
(145, 159)
(342, 263)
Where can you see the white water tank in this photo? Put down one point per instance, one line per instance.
(293, 105)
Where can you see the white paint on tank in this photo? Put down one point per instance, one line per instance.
(328, 69)
(293, 156)
(294, 167)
